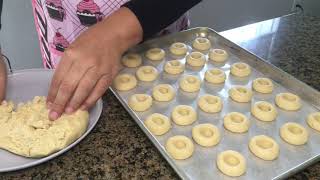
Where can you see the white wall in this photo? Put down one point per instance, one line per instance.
(18, 37)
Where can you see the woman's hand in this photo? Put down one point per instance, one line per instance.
(90, 63)
(3, 78)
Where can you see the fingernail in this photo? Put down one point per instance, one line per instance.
(69, 110)
(53, 115)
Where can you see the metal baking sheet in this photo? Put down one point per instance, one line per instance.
(202, 165)
(22, 86)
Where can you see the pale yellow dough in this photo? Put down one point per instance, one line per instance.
(236, 122)
(190, 83)
(174, 67)
(231, 163)
(264, 147)
(201, 44)
(183, 115)
(155, 54)
(131, 60)
(313, 120)
(240, 94)
(158, 124)
(124, 82)
(210, 104)
(28, 131)
(294, 133)
(147, 73)
(196, 59)
(215, 76)
(263, 85)
(240, 69)
(218, 55)
(288, 101)
(178, 49)
(163, 92)
(206, 135)
(180, 147)
(140, 102)
(264, 111)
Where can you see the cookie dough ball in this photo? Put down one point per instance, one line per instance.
(206, 135)
(196, 59)
(178, 49)
(131, 60)
(147, 73)
(158, 124)
(201, 44)
(125, 82)
(313, 120)
(179, 147)
(264, 147)
(210, 104)
(294, 133)
(236, 122)
(190, 83)
(174, 67)
(264, 111)
(215, 76)
(263, 85)
(163, 92)
(231, 163)
(140, 102)
(218, 55)
(240, 69)
(240, 94)
(184, 115)
(288, 101)
(155, 54)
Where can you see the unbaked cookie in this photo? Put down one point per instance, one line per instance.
(263, 85)
(210, 104)
(131, 60)
(140, 102)
(218, 55)
(158, 124)
(240, 69)
(201, 44)
(240, 94)
(294, 133)
(155, 54)
(174, 67)
(184, 115)
(206, 134)
(190, 83)
(264, 147)
(236, 122)
(196, 59)
(163, 92)
(264, 111)
(313, 120)
(147, 73)
(288, 101)
(124, 82)
(178, 49)
(231, 163)
(179, 147)
(215, 76)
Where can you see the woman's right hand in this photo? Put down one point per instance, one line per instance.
(3, 78)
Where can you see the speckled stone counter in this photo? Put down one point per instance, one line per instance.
(118, 149)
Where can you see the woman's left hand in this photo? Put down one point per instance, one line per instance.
(90, 63)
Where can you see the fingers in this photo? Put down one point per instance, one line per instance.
(66, 89)
(100, 88)
(85, 87)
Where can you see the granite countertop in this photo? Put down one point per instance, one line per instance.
(118, 149)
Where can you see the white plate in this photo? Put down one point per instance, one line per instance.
(23, 86)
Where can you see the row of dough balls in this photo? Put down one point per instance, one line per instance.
(178, 49)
